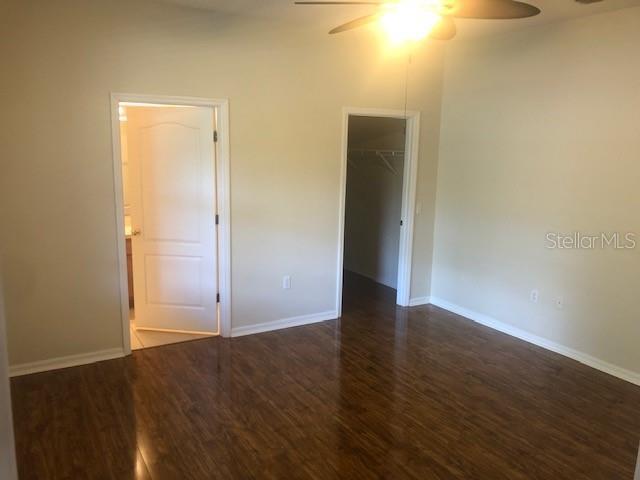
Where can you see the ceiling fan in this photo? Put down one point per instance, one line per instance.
(415, 19)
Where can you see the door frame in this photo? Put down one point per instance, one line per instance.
(221, 108)
(8, 465)
(409, 182)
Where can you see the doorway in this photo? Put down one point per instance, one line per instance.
(172, 247)
(377, 204)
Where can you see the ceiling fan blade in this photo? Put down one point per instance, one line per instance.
(339, 3)
(492, 9)
(445, 29)
(358, 22)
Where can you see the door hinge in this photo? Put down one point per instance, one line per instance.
(215, 135)
(217, 219)
(401, 223)
(217, 298)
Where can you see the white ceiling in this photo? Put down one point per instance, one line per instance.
(327, 17)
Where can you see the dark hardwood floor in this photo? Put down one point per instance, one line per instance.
(385, 392)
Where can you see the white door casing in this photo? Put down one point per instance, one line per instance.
(8, 466)
(409, 188)
(173, 206)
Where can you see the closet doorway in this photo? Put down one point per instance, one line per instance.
(378, 204)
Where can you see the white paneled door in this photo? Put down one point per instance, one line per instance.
(173, 205)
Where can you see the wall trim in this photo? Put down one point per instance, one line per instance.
(284, 323)
(65, 362)
(487, 321)
(8, 465)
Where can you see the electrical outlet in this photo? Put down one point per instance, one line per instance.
(534, 296)
(286, 282)
(559, 303)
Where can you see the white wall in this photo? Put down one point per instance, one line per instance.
(8, 469)
(540, 133)
(373, 204)
(286, 87)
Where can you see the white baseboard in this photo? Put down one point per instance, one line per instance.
(65, 362)
(414, 302)
(581, 357)
(284, 323)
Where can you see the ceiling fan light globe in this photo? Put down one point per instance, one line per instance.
(409, 20)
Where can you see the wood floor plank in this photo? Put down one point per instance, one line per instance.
(384, 392)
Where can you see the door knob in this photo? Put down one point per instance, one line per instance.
(136, 232)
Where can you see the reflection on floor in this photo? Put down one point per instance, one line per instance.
(148, 338)
(383, 393)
